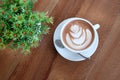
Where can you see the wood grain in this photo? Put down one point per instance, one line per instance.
(46, 64)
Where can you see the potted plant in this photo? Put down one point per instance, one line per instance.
(20, 27)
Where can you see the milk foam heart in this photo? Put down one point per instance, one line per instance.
(78, 35)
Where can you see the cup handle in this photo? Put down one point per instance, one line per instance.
(96, 26)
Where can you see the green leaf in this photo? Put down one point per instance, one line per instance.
(20, 27)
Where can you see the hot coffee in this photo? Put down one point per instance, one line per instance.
(78, 35)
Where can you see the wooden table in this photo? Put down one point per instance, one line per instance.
(46, 64)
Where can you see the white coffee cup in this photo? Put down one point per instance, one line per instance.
(94, 27)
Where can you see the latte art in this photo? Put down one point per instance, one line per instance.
(78, 35)
(78, 38)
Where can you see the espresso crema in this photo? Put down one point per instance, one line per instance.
(78, 35)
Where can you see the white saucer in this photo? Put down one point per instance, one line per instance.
(68, 54)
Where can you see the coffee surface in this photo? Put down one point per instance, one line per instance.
(78, 35)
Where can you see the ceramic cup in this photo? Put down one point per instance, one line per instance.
(91, 46)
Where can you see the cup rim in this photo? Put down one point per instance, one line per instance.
(66, 23)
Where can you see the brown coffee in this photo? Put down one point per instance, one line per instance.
(78, 35)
